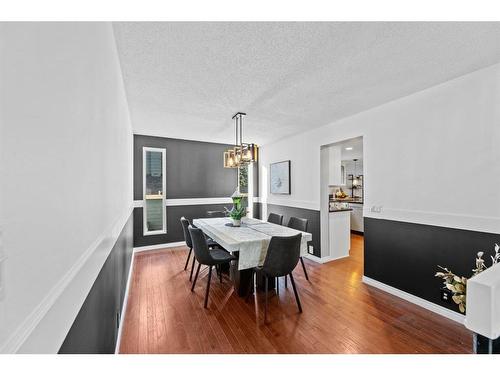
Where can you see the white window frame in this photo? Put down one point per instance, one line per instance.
(164, 185)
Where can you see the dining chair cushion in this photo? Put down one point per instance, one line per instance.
(275, 218)
(221, 256)
(282, 255)
(298, 223)
(202, 253)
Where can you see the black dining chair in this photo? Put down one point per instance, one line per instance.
(275, 218)
(189, 243)
(210, 258)
(281, 259)
(298, 223)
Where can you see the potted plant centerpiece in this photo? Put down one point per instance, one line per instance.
(238, 211)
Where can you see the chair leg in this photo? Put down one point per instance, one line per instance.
(220, 273)
(286, 281)
(278, 286)
(265, 304)
(295, 292)
(250, 287)
(192, 269)
(196, 276)
(208, 285)
(187, 260)
(304, 268)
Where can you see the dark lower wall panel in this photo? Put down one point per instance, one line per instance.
(312, 215)
(95, 328)
(174, 228)
(257, 210)
(405, 255)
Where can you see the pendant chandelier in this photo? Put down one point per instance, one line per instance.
(355, 181)
(242, 153)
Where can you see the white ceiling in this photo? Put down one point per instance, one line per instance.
(186, 80)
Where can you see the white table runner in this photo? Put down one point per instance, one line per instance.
(251, 240)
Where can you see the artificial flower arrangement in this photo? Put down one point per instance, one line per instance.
(458, 284)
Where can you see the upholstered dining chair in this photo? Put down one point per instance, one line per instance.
(298, 223)
(275, 218)
(281, 259)
(210, 258)
(189, 243)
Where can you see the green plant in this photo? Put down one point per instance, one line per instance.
(238, 211)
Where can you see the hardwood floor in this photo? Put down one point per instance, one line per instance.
(341, 314)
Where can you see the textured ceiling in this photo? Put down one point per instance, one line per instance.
(185, 80)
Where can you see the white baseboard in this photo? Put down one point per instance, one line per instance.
(459, 318)
(124, 306)
(159, 246)
(323, 260)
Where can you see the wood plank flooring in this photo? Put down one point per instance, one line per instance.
(341, 314)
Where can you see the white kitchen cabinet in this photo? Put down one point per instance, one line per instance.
(339, 234)
(357, 217)
(334, 166)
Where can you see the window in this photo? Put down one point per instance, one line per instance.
(243, 187)
(243, 179)
(153, 183)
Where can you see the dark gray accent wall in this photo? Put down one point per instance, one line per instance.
(174, 228)
(313, 226)
(95, 328)
(406, 255)
(193, 169)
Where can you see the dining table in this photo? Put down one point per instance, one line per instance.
(248, 243)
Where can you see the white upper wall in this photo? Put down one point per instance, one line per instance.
(433, 145)
(66, 169)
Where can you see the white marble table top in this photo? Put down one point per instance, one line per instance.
(251, 240)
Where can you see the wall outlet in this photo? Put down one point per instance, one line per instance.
(376, 209)
(310, 249)
(446, 295)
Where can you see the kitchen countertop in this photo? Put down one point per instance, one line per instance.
(341, 209)
(347, 200)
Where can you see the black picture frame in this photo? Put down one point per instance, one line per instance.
(284, 168)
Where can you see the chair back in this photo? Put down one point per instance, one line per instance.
(187, 237)
(282, 255)
(216, 214)
(275, 218)
(298, 223)
(200, 247)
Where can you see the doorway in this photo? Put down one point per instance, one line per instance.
(342, 190)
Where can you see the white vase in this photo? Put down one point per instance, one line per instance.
(236, 223)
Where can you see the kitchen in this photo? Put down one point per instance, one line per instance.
(343, 195)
